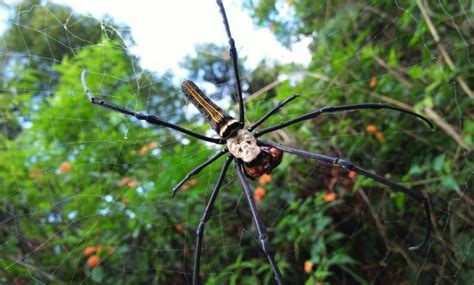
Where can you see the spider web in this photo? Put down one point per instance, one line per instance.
(93, 183)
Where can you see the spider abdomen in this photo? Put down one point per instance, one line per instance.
(222, 123)
(268, 159)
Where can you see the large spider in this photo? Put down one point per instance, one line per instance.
(253, 157)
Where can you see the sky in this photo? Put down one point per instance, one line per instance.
(3, 16)
(166, 31)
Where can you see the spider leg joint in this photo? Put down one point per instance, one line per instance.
(141, 116)
(96, 101)
(344, 163)
(265, 245)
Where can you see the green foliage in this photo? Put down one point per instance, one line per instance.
(314, 238)
(49, 32)
(77, 177)
(39, 37)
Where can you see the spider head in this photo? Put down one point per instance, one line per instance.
(268, 159)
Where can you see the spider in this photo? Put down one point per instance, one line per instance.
(254, 157)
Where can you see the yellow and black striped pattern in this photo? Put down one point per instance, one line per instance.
(214, 114)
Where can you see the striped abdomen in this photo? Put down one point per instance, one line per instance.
(222, 123)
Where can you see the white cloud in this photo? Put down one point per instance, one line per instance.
(3, 17)
(166, 31)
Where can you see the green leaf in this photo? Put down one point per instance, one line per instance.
(415, 170)
(311, 281)
(322, 274)
(438, 163)
(340, 258)
(400, 200)
(393, 61)
(450, 183)
(415, 71)
(97, 274)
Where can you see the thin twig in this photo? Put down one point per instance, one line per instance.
(447, 128)
(395, 72)
(265, 89)
(430, 113)
(37, 269)
(433, 179)
(442, 49)
(390, 246)
(390, 100)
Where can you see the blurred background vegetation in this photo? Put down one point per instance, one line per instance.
(85, 192)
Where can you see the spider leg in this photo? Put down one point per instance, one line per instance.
(198, 169)
(205, 217)
(272, 111)
(235, 63)
(145, 117)
(350, 166)
(262, 234)
(334, 109)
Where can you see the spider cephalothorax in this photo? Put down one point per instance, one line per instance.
(241, 143)
(256, 160)
(254, 157)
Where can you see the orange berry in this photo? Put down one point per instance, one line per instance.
(373, 82)
(264, 179)
(35, 174)
(351, 174)
(64, 167)
(308, 266)
(111, 249)
(146, 148)
(329, 196)
(124, 181)
(259, 194)
(180, 228)
(153, 145)
(93, 261)
(379, 137)
(371, 129)
(143, 150)
(132, 183)
(100, 248)
(193, 182)
(89, 250)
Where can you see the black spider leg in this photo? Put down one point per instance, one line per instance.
(333, 109)
(235, 62)
(198, 169)
(272, 111)
(145, 117)
(205, 217)
(262, 233)
(350, 166)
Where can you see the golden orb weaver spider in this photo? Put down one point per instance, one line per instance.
(253, 157)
